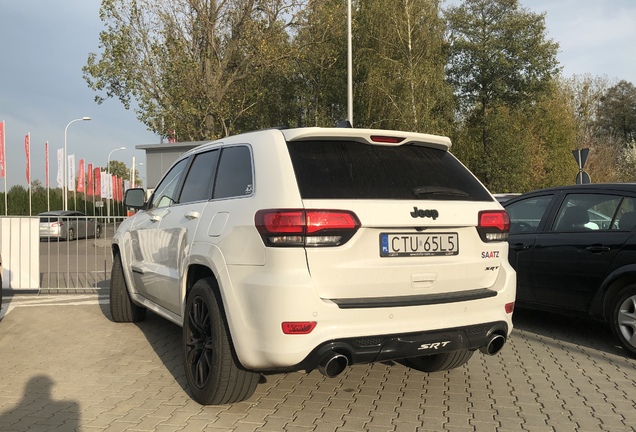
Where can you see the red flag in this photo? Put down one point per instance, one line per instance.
(89, 173)
(80, 175)
(114, 187)
(27, 150)
(46, 151)
(98, 182)
(120, 190)
(2, 173)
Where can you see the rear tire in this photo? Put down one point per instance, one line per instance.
(623, 318)
(212, 369)
(70, 235)
(122, 308)
(98, 231)
(439, 362)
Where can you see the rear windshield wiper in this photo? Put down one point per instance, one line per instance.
(439, 190)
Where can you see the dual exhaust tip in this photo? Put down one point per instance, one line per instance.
(494, 345)
(334, 363)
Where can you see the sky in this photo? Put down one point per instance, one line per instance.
(44, 44)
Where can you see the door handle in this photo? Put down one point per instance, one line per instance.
(520, 247)
(597, 248)
(192, 215)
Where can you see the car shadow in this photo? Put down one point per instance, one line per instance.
(576, 332)
(165, 339)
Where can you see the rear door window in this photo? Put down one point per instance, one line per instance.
(352, 170)
(583, 212)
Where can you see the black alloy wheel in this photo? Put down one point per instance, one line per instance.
(212, 370)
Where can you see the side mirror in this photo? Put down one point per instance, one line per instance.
(135, 198)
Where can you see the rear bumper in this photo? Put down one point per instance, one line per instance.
(370, 349)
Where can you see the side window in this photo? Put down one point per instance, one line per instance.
(626, 216)
(165, 193)
(234, 177)
(198, 183)
(583, 212)
(526, 215)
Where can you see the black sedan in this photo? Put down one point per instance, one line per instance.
(574, 249)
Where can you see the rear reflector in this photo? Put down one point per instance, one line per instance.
(509, 307)
(298, 227)
(302, 327)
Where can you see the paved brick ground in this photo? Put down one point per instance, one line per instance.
(65, 366)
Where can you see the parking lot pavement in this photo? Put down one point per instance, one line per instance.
(65, 366)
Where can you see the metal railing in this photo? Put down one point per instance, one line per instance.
(78, 262)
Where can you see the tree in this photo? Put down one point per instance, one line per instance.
(498, 57)
(617, 112)
(195, 68)
(321, 64)
(400, 71)
(119, 169)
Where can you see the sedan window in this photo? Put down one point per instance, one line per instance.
(525, 215)
(582, 212)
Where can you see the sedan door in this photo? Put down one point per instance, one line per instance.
(572, 256)
(527, 218)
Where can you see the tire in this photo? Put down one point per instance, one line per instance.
(70, 235)
(122, 308)
(623, 318)
(439, 362)
(98, 231)
(212, 370)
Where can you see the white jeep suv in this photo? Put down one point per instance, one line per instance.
(286, 250)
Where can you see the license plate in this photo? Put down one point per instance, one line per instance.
(425, 244)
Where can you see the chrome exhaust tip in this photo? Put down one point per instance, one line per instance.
(494, 345)
(333, 364)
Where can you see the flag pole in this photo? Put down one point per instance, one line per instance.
(48, 200)
(3, 165)
(27, 149)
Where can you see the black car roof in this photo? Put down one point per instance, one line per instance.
(616, 187)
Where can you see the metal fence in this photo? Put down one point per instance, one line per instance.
(53, 260)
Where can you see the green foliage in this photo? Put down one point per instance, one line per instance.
(195, 67)
(617, 112)
(320, 75)
(400, 67)
(119, 169)
(499, 53)
(500, 65)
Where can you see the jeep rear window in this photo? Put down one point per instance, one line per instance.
(352, 170)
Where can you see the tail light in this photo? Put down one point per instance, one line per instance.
(493, 225)
(300, 227)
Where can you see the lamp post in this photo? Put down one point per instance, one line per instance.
(111, 183)
(132, 173)
(65, 163)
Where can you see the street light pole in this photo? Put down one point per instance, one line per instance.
(111, 183)
(65, 162)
